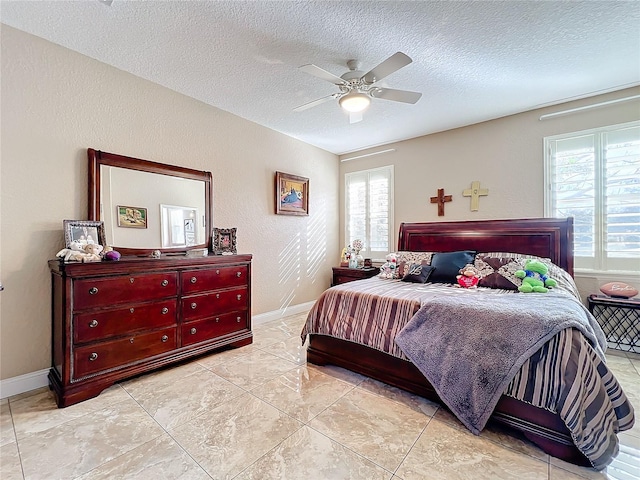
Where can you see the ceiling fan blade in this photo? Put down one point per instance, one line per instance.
(393, 63)
(404, 96)
(316, 71)
(314, 103)
(355, 117)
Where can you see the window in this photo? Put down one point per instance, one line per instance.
(594, 176)
(369, 210)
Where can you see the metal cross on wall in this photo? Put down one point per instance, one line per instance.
(475, 192)
(440, 200)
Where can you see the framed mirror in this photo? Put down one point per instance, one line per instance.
(147, 206)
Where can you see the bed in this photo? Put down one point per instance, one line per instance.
(550, 239)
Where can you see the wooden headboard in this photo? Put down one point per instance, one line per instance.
(545, 237)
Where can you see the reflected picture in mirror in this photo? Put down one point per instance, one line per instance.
(132, 217)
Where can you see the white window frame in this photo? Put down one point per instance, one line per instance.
(377, 256)
(600, 263)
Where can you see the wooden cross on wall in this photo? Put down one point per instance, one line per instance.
(475, 192)
(440, 200)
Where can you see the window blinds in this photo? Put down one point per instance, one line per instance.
(595, 177)
(368, 216)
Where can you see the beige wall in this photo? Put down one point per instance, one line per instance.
(505, 155)
(56, 103)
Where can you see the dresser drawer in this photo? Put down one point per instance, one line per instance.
(88, 327)
(213, 327)
(101, 292)
(213, 278)
(214, 303)
(116, 353)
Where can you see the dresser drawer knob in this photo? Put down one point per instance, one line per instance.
(193, 331)
(131, 340)
(93, 357)
(165, 310)
(217, 272)
(193, 305)
(193, 280)
(165, 283)
(238, 274)
(131, 280)
(131, 310)
(238, 319)
(239, 297)
(217, 295)
(217, 319)
(93, 323)
(93, 290)
(164, 338)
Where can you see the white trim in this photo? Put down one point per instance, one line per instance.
(368, 155)
(611, 275)
(263, 318)
(23, 383)
(31, 381)
(588, 107)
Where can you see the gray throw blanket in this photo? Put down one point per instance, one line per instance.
(470, 347)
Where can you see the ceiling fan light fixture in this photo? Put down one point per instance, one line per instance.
(354, 102)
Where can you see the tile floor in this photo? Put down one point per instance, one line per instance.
(260, 412)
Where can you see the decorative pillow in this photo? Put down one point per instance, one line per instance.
(447, 265)
(405, 259)
(505, 264)
(418, 273)
(498, 272)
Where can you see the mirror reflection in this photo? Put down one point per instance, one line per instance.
(139, 209)
(148, 206)
(178, 226)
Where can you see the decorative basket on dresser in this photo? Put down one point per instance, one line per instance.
(114, 320)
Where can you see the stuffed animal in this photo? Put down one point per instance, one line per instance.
(534, 277)
(388, 269)
(92, 252)
(79, 253)
(110, 254)
(469, 276)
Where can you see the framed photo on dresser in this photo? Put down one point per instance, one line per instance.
(224, 241)
(83, 232)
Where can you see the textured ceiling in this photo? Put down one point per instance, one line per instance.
(472, 61)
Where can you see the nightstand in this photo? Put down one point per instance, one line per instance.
(346, 274)
(619, 319)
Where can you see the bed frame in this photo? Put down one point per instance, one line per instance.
(544, 237)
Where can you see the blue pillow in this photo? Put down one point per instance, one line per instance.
(418, 273)
(447, 265)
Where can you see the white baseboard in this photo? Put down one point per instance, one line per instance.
(283, 312)
(31, 381)
(23, 383)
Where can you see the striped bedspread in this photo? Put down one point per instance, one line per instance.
(566, 376)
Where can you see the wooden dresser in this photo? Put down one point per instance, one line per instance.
(114, 320)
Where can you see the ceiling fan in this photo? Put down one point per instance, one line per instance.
(357, 88)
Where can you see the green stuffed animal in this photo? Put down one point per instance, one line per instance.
(534, 277)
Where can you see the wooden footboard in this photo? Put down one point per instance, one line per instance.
(543, 428)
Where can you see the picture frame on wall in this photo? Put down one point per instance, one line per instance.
(224, 241)
(83, 232)
(132, 217)
(292, 194)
